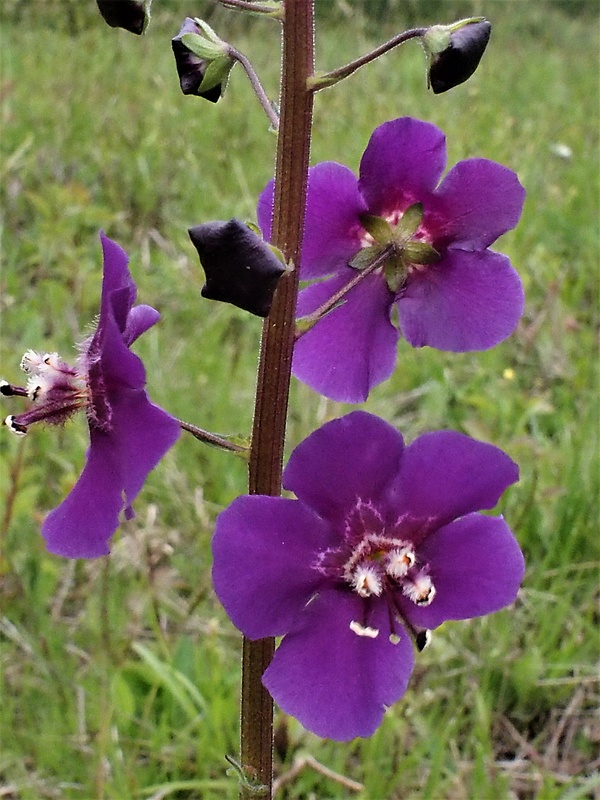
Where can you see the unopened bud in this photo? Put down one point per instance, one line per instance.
(240, 267)
(202, 60)
(132, 15)
(454, 51)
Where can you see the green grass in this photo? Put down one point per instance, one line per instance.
(121, 677)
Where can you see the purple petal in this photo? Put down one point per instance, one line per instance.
(467, 301)
(118, 367)
(352, 348)
(141, 434)
(83, 523)
(346, 459)
(476, 566)
(139, 320)
(403, 162)
(332, 233)
(338, 684)
(477, 202)
(264, 549)
(445, 475)
(117, 464)
(118, 287)
(264, 210)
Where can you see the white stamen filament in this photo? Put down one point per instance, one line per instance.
(362, 630)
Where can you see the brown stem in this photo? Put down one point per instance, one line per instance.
(274, 370)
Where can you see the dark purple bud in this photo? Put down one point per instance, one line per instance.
(203, 73)
(240, 267)
(455, 52)
(132, 15)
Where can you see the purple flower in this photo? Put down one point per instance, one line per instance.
(382, 544)
(128, 434)
(450, 291)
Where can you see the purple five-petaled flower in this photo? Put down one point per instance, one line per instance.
(128, 434)
(450, 291)
(382, 544)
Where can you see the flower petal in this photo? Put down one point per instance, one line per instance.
(476, 566)
(141, 434)
(264, 210)
(332, 232)
(117, 464)
(353, 457)
(264, 549)
(84, 522)
(477, 202)
(115, 278)
(336, 683)
(467, 301)
(353, 347)
(403, 162)
(139, 320)
(445, 475)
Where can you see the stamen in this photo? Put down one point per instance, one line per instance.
(366, 581)
(419, 589)
(399, 561)
(32, 361)
(362, 630)
(395, 638)
(8, 390)
(37, 387)
(18, 430)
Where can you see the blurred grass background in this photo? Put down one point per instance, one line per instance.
(120, 676)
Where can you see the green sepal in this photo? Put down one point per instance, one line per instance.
(420, 253)
(379, 228)
(436, 39)
(395, 272)
(253, 227)
(203, 48)
(217, 74)
(208, 31)
(365, 257)
(275, 250)
(409, 222)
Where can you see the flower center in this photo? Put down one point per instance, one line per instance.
(376, 562)
(402, 235)
(56, 390)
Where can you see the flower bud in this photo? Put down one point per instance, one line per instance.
(454, 51)
(132, 15)
(202, 59)
(240, 267)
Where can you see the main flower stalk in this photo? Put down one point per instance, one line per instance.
(274, 371)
